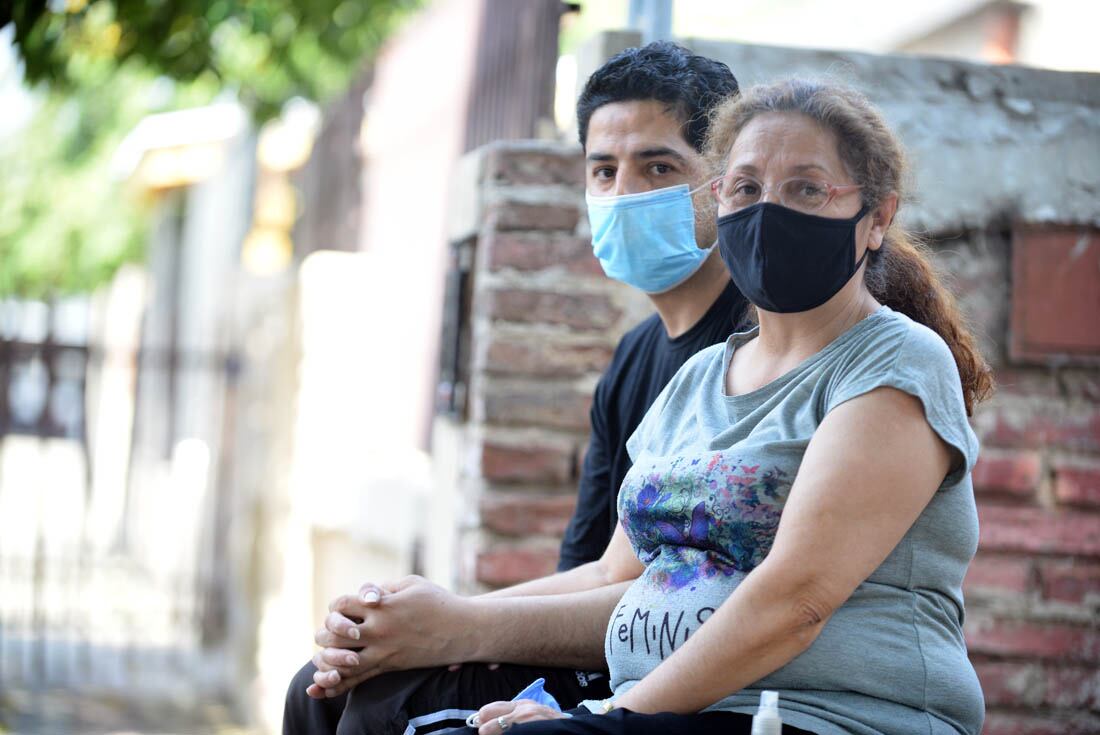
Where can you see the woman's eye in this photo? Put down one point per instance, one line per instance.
(746, 189)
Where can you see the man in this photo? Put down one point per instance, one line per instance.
(642, 121)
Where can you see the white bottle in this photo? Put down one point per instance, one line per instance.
(766, 721)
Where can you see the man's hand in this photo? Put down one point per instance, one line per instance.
(410, 624)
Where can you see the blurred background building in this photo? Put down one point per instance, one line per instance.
(297, 299)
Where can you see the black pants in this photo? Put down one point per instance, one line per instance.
(426, 700)
(624, 722)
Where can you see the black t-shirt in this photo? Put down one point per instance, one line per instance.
(643, 363)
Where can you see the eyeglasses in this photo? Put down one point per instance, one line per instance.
(806, 194)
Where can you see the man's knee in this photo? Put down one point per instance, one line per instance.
(302, 714)
(301, 681)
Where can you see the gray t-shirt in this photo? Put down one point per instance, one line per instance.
(702, 503)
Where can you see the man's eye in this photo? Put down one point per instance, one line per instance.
(604, 173)
(661, 168)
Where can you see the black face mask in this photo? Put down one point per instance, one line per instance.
(786, 261)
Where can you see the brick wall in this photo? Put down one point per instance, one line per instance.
(1033, 591)
(1025, 263)
(543, 321)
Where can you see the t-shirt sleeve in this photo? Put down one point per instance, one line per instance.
(918, 362)
(587, 534)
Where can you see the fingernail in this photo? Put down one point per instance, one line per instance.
(371, 597)
(353, 633)
(352, 659)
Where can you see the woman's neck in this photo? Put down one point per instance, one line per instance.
(786, 338)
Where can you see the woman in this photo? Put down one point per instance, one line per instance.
(805, 488)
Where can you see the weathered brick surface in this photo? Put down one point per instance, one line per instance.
(550, 216)
(541, 357)
(1059, 321)
(1016, 723)
(1038, 640)
(519, 166)
(504, 564)
(585, 311)
(522, 514)
(527, 463)
(1045, 424)
(1000, 574)
(1070, 580)
(1039, 530)
(1078, 483)
(1014, 473)
(536, 251)
(533, 404)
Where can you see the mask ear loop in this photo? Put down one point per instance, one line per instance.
(863, 212)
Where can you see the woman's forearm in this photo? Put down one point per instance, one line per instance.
(763, 625)
(550, 630)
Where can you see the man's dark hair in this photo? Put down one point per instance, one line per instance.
(689, 84)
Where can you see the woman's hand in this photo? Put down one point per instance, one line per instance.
(497, 717)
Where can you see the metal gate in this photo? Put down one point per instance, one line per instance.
(112, 454)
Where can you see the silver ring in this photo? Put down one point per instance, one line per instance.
(473, 720)
(503, 725)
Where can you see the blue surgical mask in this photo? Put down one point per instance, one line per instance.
(646, 240)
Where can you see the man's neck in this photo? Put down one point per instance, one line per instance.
(681, 308)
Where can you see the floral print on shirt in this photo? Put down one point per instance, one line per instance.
(696, 518)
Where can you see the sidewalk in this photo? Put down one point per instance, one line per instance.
(64, 712)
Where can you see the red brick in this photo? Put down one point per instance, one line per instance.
(1072, 687)
(588, 311)
(516, 216)
(1024, 639)
(1078, 483)
(535, 251)
(1069, 581)
(533, 166)
(511, 564)
(1010, 472)
(1050, 322)
(1010, 683)
(1029, 382)
(1015, 723)
(1034, 684)
(1010, 575)
(547, 405)
(1038, 530)
(1045, 425)
(1080, 384)
(522, 514)
(503, 463)
(544, 358)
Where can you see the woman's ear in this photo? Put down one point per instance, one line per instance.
(881, 218)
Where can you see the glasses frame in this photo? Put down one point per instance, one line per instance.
(834, 190)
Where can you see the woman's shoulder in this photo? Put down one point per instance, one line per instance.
(894, 340)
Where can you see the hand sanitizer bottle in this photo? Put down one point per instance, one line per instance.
(766, 721)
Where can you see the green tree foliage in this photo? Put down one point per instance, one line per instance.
(266, 50)
(98, 66)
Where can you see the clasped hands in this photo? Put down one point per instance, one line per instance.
(409, 624)
(404, 625)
